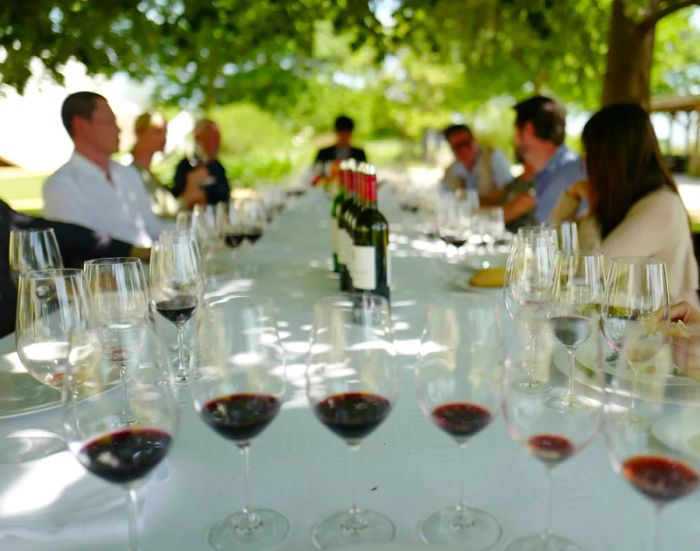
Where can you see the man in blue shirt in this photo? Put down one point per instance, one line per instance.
(207, 139)
(540, 124)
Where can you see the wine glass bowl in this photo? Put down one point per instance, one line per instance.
(457, 384)
(119, 451)
(237, 387)
(50, 304)
(655, 448)
(550, 433)
(33, 249)
(574, 306)
(352, 384)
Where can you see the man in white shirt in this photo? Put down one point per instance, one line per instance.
(91, 189)
(484, 169)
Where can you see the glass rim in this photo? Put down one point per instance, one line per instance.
(32, 230)
(49, 273)
(638, 260)
(112, 260)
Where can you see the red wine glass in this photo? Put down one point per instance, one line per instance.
(176, 286)
(116, 451)
(658, 449)
(237, 386)
(352, 383)
(458, 387)
(551, 434)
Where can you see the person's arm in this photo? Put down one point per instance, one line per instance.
(219, 191)
(492, 199)
(521, 204)
(180, 179)
(60, 200)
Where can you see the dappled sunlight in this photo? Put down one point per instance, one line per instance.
(42, 486)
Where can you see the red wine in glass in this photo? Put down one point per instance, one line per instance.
(659, 478)
(550, 448)
(253, 236)
(126, 455)
(571, 331)
(240, 417)
(352, 415)
(461, 419)
(177, 309)
(453, 240)
(233, 240)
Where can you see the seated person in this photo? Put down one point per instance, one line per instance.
(150, 131)
(204, 167)
(482, 168)
(92, 190)
(540, 129)
(77, 244)
(516, 200)
(634, 205)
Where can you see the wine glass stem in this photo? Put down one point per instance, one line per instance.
(572, 367)
(245, 453)
(547, 505)
(181, 367)
(351, 476)
(126, 411)
(655, 512)
(132, 510)
(462, 505)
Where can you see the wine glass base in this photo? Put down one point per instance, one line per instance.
(566, 402)
(236, 531)
(542, 542)
(346, 528)
(473, 528)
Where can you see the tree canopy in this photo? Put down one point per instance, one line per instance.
(297, 55)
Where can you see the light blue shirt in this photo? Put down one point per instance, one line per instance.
(563, 169)
(500, 171)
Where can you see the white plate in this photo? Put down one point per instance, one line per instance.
(680, 432)
(483, 261)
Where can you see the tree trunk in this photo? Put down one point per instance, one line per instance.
(630, 54)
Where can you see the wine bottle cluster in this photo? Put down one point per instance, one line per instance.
(360, 232)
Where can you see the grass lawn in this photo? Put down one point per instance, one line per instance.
(22, 189)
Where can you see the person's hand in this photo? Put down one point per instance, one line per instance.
(193, 194)
(685, 339)
(579, 190)
(684, 312)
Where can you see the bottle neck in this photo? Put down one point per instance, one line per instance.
(370, 199)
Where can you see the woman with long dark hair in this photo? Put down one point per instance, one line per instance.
(634, 205)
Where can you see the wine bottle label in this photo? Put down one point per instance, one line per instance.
(364, 273)
(335, 237)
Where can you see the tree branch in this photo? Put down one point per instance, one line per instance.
(654, 17)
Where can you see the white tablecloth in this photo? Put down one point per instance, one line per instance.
(406, 469)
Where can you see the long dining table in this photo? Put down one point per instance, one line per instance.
(406, 469)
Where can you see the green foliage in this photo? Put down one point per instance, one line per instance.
(676, 68)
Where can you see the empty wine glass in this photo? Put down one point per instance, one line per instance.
(176, 286)
(35, 249)
(574, 308)
(109, 447)
(118, 295)
(458, 388)
(237, 389)
(50, 304)
(657, 453)
(551, 434)
(195, 222)
(352, 383)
